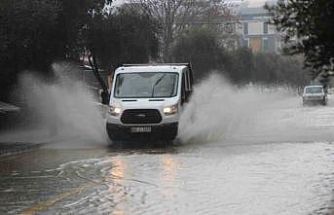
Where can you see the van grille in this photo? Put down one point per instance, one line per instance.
(141, 116)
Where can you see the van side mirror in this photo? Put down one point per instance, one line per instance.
(188, 94)
(104, 97)
(183, 99)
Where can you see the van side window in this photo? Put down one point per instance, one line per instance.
(183, 88)
(188, 84)
(187, 80)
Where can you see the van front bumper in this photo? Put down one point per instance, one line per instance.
(166, 131)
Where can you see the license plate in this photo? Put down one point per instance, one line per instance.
(146, 129)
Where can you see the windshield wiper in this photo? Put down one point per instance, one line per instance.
(156, 83)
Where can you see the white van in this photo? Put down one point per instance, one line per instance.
(146, 101)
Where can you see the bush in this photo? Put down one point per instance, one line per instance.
(202, 49)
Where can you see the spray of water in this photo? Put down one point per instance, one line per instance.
(219, 111)
(65, 108)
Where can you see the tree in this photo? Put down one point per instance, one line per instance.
(126, 36)
(177, 16)
(240, 65)
(26, 31)
(74, 17)
(200, 47)
(34, 33)
(308, 29)
(272, 68)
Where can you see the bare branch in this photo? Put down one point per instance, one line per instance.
(175, 16)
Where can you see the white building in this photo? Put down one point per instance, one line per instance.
(256, 33)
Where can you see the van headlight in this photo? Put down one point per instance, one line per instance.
(115, 111)
(170, 110)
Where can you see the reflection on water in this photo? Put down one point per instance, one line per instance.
(229, 180)
(168, 176)
(130, 181)
(115, 190)
(169, 165)
(118, 168)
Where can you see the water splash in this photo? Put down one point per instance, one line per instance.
(220, 111)
(66, 108)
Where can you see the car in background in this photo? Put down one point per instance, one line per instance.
(9, 114)
(314, 94)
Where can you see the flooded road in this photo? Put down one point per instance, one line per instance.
(279, 160)
(282, 178)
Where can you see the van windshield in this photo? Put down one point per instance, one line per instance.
(313, 90)
(146, 85)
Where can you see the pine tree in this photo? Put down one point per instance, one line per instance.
(308, 29)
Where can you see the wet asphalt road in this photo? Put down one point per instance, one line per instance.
(256, 172)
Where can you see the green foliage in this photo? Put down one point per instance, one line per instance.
(26, 32)
(309, 29)
(35, 33)
(240, 65)
(278, 69)
(74, 18)
(123, 37)
(178, 16)
(200, 47)
(265, 68)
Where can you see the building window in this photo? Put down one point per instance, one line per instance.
(246, 42)
(245, 28)
(265, 27)
(265, 45)
(255, 44)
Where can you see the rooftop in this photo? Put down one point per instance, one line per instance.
(253, 11)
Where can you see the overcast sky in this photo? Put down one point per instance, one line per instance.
(256, 3)
(252, 3)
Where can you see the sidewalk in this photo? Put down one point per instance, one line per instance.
(7, 149)
(19, 141)
(9, 115)
(6, 108)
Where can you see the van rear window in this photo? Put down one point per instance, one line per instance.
(313, 90)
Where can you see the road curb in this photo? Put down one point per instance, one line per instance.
(13, 148)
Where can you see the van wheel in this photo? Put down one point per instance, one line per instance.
(177, 142)
(117, 143)
(165, 143)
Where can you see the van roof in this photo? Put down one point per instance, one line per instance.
(150, 68)
(315, 85)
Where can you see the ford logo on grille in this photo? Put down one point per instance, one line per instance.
(141, 115)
